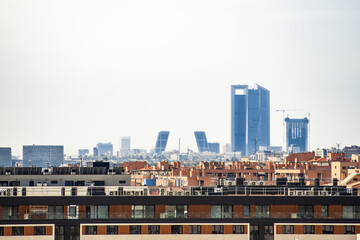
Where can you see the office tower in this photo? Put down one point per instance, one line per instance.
(227, 148)
(297, 133)
(161, 142)
(95, 152)
(105, 149)
(201, 141)
(250, 118)
(83, 152)
(43, 155)
(214, 147)
(125, 146)
(5, 157)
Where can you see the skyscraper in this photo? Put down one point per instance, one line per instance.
(297, 133)
(43, 155)
(161, 142)
(83, 152)
(105, 149)
(5, 157)
(250, 118)
(201, 141)
(214, 147)
(125, 146)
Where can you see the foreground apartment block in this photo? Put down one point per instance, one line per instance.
(99, 203)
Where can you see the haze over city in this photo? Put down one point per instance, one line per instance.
(76, 73)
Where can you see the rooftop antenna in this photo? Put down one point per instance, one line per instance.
(338, 147)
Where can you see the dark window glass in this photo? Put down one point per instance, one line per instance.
(288, 229)
(268, 232)
(328, 229)
(324, 211)
(135, 229)
(97, 212)
(195, 229)
(246, 211)
(217, 229)
(17, 231)
(262, 211)
(112, 229)
(75, 232)
(306, 211)
(309, 229)
(55, 212)
(174, 211)
(72, 211)
(90, 230)
(143, 211)
(1, 231)
(39, 230)
(59, 232)
(176, 229)
(9, 212)
(221, 211)
(153, 229)
(238, 229)
(254, 232)
(349, 229)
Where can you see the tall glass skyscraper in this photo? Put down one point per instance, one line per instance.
(161, 142)
(201, 141)
(43, 155)
(297, 133)
(250, 118)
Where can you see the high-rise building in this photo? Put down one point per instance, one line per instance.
(43, 155)
(297, 133)
(125, 146)
(83, 152)
(105, 149)
(250, 118)
(5, 157)
(201, 141)
(161, 142)
(95, 152)
(214, 147)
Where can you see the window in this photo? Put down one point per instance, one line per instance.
(176, 229)
(122, 182)
(254, 232)
(1, 231)
(135, 229)
(59, 233)
(221, 211)
(97, 212)
(153, 229)
(195, 229)
(175, 211)
(55, 212)
(238, 229)
(17, 231)
(288, 229)
(324, 211)
(262, 211)
(143, 211)
(328, 229)
(306, 211)
(349, 229)
(351, 212)
(54, 182)
(75, 232)
(90, 230)
(112, 229)
(246, 211)
(309, 229)
(39, 230)
(217, 229)
(9, 212)
(73, 210)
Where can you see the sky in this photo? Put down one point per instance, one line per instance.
(79, 72)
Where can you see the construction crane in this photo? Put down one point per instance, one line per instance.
(283, 117)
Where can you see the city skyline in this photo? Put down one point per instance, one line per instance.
(119, 69)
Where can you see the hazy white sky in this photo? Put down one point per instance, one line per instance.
(77, 73)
